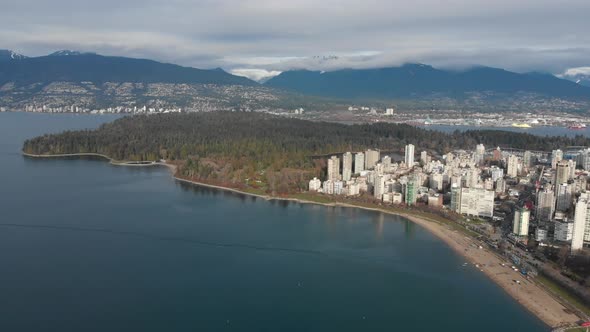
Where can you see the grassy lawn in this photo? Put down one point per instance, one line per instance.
(577, 329)
(571, 298)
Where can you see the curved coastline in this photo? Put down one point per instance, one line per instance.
(535, 298)
(91, 154)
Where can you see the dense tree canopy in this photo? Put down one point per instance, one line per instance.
(237, 147)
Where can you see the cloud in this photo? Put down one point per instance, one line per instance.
(256, 74)
(273, 35)
(572, 72)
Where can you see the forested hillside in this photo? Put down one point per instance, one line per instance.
(242, 148)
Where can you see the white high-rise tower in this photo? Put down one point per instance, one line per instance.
(409, 156)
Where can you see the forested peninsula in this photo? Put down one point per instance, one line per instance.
(260, 151)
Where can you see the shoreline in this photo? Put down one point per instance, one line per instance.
(528, 293)
(91, 154)
(536, 299)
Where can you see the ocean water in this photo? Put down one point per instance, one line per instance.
(537, 130)
(87, 246)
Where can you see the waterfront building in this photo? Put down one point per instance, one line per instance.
(372, 158)
(579, 225)
(520, 226)
(397, 198)
(477, 202)
(387, 197)
(353, 189)
(347, 166)
(328, 187)
(455, 198)
(359, 163)
(363, 184)
(409, 158)
(411, 191)
(545, 205)
(379, 187)
(338, 187)
(315, 184)
(435, 200)
(334, 168)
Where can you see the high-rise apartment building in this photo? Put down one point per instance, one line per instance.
(347, 166)
(520, 226)
(359, 163)
(545, 205)
(372, 158)
(409, 159)
(477, 202)
(334, 168)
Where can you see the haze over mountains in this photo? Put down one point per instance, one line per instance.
(67, 77)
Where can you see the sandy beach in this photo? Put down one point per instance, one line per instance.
(528, 293)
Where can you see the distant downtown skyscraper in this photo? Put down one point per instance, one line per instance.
(409, 155)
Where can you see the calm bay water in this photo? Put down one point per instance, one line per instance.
(538, 130)
(86, 246)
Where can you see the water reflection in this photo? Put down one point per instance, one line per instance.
(410, 229)
(378, 222)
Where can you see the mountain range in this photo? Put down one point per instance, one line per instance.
(72, 66)
(418, 80)
(71, 77)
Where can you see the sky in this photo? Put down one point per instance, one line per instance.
(261, 38)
